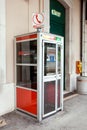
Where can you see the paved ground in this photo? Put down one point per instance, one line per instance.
(74, 117)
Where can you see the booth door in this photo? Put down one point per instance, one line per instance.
(51, 77)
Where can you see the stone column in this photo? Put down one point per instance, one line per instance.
(84, 42)
(2, 42)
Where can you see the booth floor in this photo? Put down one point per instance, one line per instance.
(74, 117)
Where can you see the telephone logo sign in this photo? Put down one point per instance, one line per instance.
(38, 20)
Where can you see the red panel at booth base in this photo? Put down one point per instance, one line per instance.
(27, 100)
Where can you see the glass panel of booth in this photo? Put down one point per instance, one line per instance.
(49, 96)
(59, 60)
(49, 59)
(27, 76)
(26, 52)
(58, 92)
(26, 64)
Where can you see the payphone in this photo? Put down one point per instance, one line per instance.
(39, 74)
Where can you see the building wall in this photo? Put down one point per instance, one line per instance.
(2, 55)
(84, 41)
(2, 43)
(72, 42)
(34, 7)
(75, 42)
(75, 33)
(16, 19)
(6, 90)
(16, 23)
(72, 39)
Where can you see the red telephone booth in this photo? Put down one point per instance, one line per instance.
(39, 74)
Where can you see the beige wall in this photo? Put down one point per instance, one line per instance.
(33, 8)
(76, 28)
(84, 42)
(6, 90)
(75, 43)
(18, 21)
(75, 47)
(15, 19)
(2, 42)
(72, 42)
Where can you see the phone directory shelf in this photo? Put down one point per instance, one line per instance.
(39, 74)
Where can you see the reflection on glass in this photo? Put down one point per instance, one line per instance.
(49, 97)
(58, 94)
(59, 60)
(49, 59)
(26, 52)
(27, 76)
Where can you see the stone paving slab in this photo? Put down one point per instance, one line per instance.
(73, 117)
(2, 122)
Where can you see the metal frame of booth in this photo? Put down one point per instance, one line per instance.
(39, 74)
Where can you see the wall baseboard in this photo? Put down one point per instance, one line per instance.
(7, 102)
